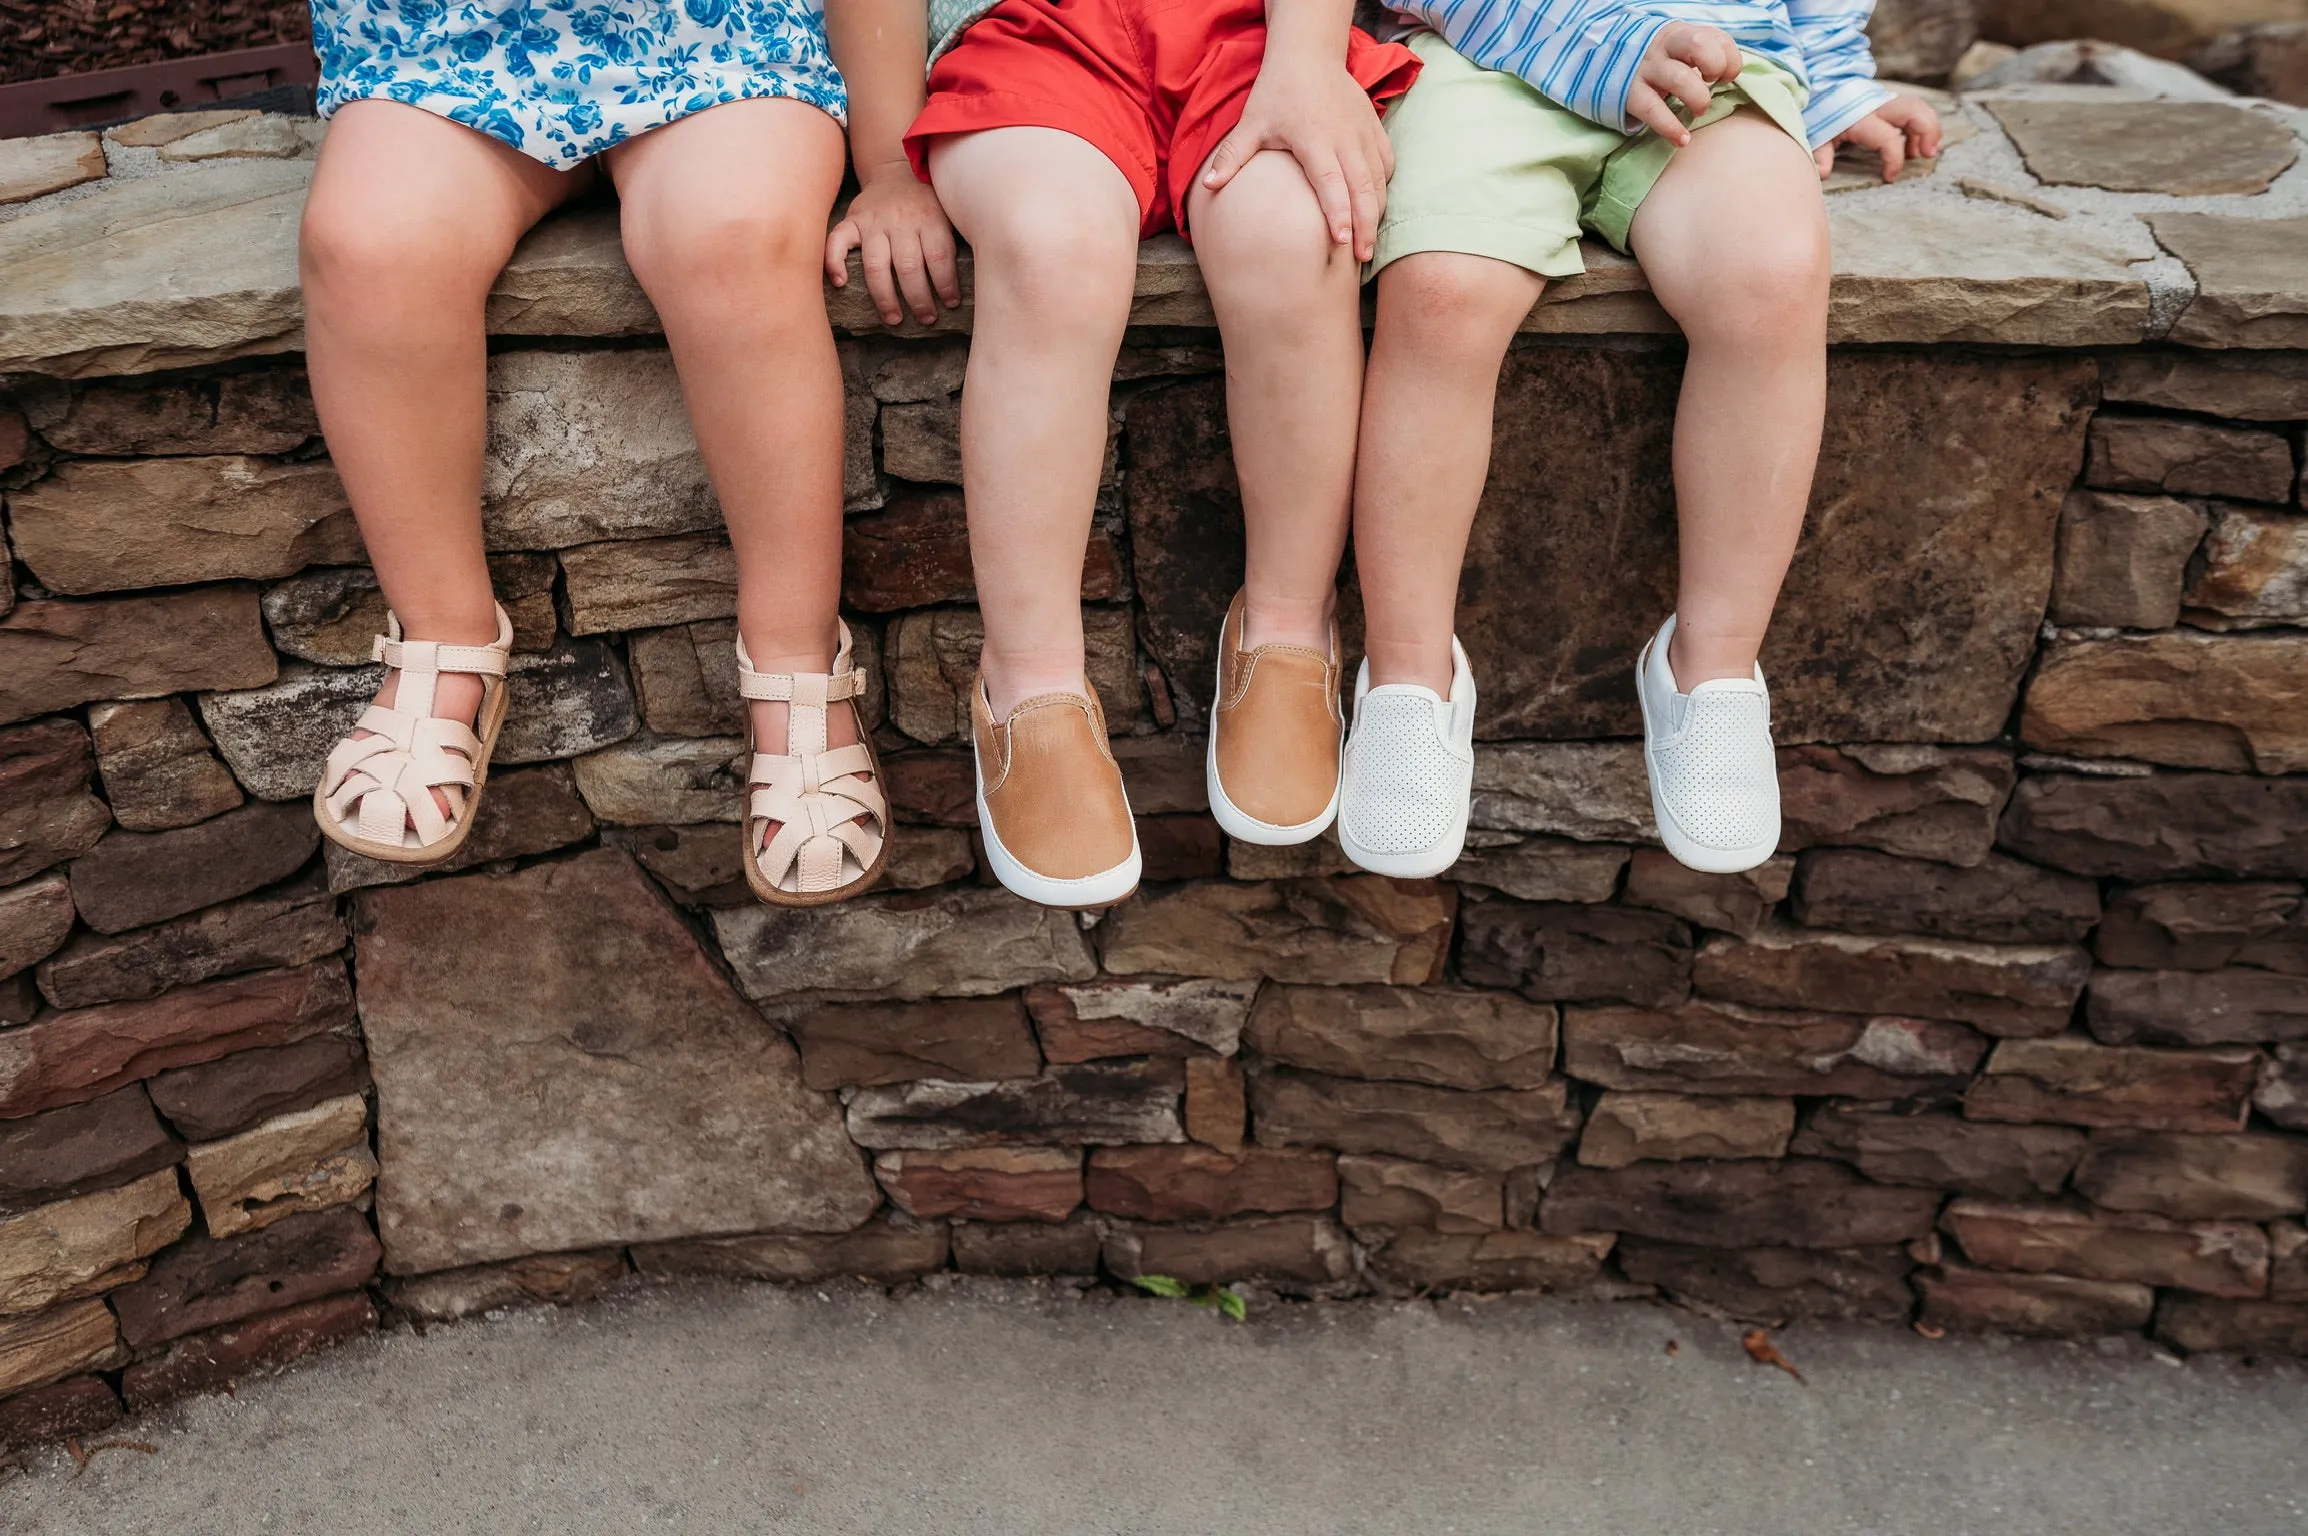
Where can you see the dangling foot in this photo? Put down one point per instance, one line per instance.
(816, 821)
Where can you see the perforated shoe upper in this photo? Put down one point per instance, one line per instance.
(1714, 777)
(1409, 767)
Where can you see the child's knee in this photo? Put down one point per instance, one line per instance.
(1451, 303)
(701, 248)
(1770, 286)
(348, 247)
(1264, 234)
(1067, 271)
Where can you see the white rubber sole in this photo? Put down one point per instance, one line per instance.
(1423, 864)
(1231, 818)
(1686, 851)
(1088, 893)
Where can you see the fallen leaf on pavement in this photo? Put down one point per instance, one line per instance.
(1762, 1351)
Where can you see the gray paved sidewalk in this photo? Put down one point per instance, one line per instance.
(987, 1408)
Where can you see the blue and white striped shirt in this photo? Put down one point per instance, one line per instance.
(1584, 53)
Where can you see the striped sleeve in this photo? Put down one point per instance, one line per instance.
(1581, 53)
(1832, 35)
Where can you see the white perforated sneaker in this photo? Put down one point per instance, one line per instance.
(1409, 774)
(1714, 780)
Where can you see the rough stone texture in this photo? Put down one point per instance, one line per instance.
(952, 943)
(1349, 929)
(1739, 903)
(2196, 1007)
(2182, 148)
(306, 1160)
(1942, 1151)
(2196, 1178)
(158, 770)
(1114, 1017)
(1197, 1183)
(685, 679)
(2054, 1306)
(332, 615)
(55, 654)
(1795, 1203)
(35, 167)
(1448, 1038)
(550, 1279)
(1593, 791)
(1185, 518)
(78, 1405)
(933, 655)
(1626, 1128)
(984, 1183)
(34, 918)
(267, 411)
(2075, 1081)
(36, 1350)
(940, 788)
(525, 811)
(1217, 1111)
(585, 446)
(915, 552)
(2123, 559)
(2254, 571)
(205, 1282)
(1921, 39)
(213, 1361)
(2288, 1270)
(1936, 803)
(1542, 869)
(1163, 774)
(223, 1098)
(79, 1053)
(699, 865)
(1291, 1250)
(80, 1148)
(46, 812)
(882, 1251)
(1710, 1047)
(96, 525)
(1027, 1248)
(2163, 827)
(1999, 900)
(666, 781)
(131, 879)
(922, 857)
(288, 927)
(2255, 1327)
(2249, 288)
(2227, 1258)
(2202, 927)
(621, 1088)
(1497, 1129)
(1180, 848)
(963, 1040)
(266, 137)
(78, 1246)
(2283, 1092)
(1493, 1261)
(2187, 458)
(2014, 989)
(1394, 1192)
(2248, 386)
(1558, 951)
(1775, 1285)
(649, 583)
(2233, 702)
(1090, 1104)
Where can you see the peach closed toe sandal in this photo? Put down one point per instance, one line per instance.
(376, 792)
(832, 822)
(1275, 731)
(1051, 806)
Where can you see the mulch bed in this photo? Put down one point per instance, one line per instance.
(43, 38)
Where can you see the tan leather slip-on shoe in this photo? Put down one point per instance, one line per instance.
(1051, 808)
(1275, 733)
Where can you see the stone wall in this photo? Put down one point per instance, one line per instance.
(2013, 1034)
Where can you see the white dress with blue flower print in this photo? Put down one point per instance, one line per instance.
(563, 80)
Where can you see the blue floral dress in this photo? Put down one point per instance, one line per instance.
(563, 80)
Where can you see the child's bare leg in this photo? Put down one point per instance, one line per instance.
(1734, 241)
(1053, 226)
(410, 219)
(724, 221)
(1444, 322)
(1288, 307)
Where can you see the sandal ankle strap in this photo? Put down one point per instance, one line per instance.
(843, 680)
(487, 660)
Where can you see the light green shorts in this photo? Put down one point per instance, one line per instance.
(1485, 165)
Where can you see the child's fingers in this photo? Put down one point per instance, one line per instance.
(945, 270)
(1232, 153)
(1686, 85)
(1646, 106)
(1333, 197)
(914, 277)
(1824, 158)
(839, 242)
(1368, 195)
(879, 283)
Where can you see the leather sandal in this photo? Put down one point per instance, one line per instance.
(832, 820)
(376, 793)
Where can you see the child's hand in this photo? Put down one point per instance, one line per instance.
(1314, 109)
(902, 236)
(1903, 128)
(1682, 61)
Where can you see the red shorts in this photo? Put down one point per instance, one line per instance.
(1154, 84)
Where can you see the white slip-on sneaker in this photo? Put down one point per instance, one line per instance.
(1714, 778)
(1409, 774)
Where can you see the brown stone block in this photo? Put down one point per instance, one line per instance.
(1291, 1250)
(331, 615)
(922, 441)
(223, 1098)
(86, 1244)
(2008, 989)
(2123, 559)
(1937, 803)
(1185, 515)
(131, 879)
(931, 656)
(1217, 1111)
(2201, 927)
(2196, 1178)
(1943, 1151)
(954, 942)
(664, 780)
(34, 918)
(158, 770)
(2075, 1081)
(1452, 1038)
(1541, 868)
(527, 811)
(541, 1279)
(699, 865)
(587, 445)
(306, 1160)
(1394, 1192)
(2288, 1268)
(1094, 1103)
(2228, 1258)
(206, 1282)
(1083, 1021)
(881, 1252)
(47, 814)
(964, 1039)
(1197, 1183)
(1185, 847)
(288, 927)
(46, 1346)
(82, 1147)
(2237, 703)
(2187, 458)
(270, 411)
(1589, 791)
(1363, 928)
(1739, 903)
(1999, 900)
(2283, 1092)
(685, 679)
(113, 525)
(649, 583)
(915, 553)
(1776, 1285)
(77, 1405)
(2250, 386)
(984, 1183)
(1027, 1248)
(922, 858)
(19, 999)
(1708, 1047)
(79, 1053)
(2224, 1007)
(1626, 1128)
(215, 1361)
(1492, 1261)
(1793, 1203)
(1497, 1129)
(2254, 571)
(1555, 951)
(935, 787)
(2053, 1306)
(2202, 1324)
(1163, 774)
(2165, 826)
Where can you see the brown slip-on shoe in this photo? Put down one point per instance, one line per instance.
(1275, 735)
(1051, 808)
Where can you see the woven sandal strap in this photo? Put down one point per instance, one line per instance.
(780, 685)
(487, 660)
